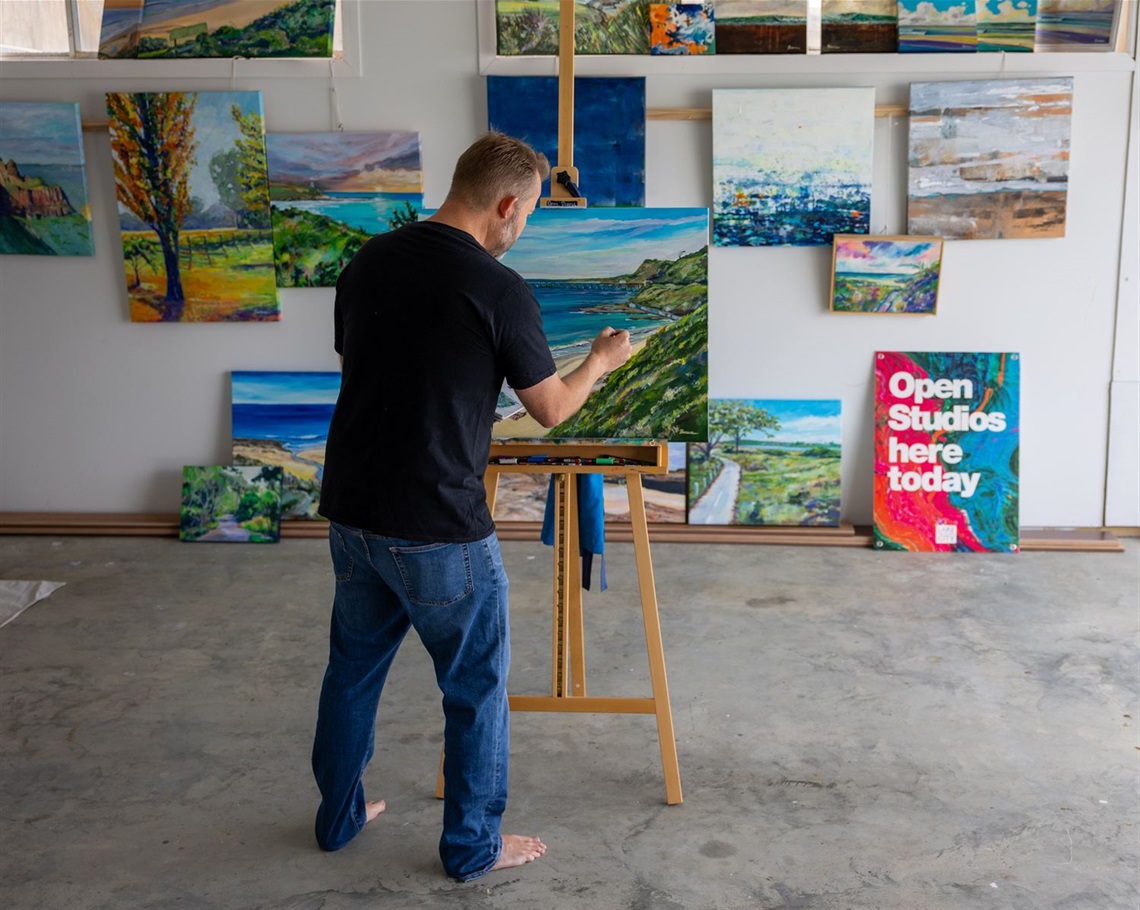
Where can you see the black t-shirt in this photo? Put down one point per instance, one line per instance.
(429, 324)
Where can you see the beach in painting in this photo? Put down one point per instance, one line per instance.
(989, 159)
(791, 167)
(937, 26)
(642, 270)
(859, 27)
(1075, 24)
(282, 419)
(767, 462)
(1007, 25)
(761, 26)
(886, 276)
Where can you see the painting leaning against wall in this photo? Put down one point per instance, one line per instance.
(43, 180)
(330, 192)
(231, 504)
(190, 177)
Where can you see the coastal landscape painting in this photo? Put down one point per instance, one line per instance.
(886, 274)
(190, 178)
(526, 27)
(152, 29)
(768, 462)
(643, 270)
(330, 192)
(989, 159)
(231, 504)
(1007, 25)
(859, 27)
(43, 180)
(282, 420)
(938, 26)
(1073, 25)
(681, 29)
(609, 130)
(761, 26)
(791, 167)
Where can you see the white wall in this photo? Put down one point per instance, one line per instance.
(99, 414)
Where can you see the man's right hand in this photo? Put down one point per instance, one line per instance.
(612, 348)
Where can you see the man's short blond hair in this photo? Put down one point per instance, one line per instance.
(496, 166)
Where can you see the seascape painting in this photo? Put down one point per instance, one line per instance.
(859, 27)
(938, 26)
(43, 180)
(330, 192)
(761, 26)
(768, 462)
(1073, 25)
(190, 178)
(1007, 25)
(947, 442)
(886, 274)
(791, 167)
(154, 29)
(231, 504)
(282, 420)
(609, 130)
(526, 27)
(643, 270)
(681, 29)
(989, 159)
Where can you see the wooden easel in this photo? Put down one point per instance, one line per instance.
(568, 652)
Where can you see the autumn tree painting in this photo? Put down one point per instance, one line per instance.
(193, 192)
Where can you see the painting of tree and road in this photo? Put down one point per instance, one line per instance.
(193, 192)
(767, 462)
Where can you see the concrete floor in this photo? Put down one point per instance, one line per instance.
(855, 730)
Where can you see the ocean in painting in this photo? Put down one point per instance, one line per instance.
(1006, 25)
(1081, 24)
(938, 26)
(294, 426)
(367, 212)
(574, 312)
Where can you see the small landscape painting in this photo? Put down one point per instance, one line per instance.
(190, 177)
(231, 504)
(859, 27)
(1007, 25)
(989, 160)
(681, 29)
(791, 167)
(1073, 25)
(43, 180)
(885, 274)
(938, 26)
(152, 29)
(282, 420)
(526, 27)
(767, 462)
(761, 26)
(330, 192)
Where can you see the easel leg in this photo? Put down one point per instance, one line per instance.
(653, 642)
(574, 627)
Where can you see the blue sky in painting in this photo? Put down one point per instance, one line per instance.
(609, 130)
(215, 131)
(948, 12)
(40, 132)
(801, 420)
(264, 387)
(604, 242)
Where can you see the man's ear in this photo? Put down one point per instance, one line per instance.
(507, 206)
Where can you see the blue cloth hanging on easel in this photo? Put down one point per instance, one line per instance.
(591, 524)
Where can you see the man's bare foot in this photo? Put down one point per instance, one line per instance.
(518, 851)
(371, 810)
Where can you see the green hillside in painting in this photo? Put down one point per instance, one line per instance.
(310, 250)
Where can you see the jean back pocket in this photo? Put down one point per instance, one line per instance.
(435, 574)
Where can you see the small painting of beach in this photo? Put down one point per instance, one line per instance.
(767, 462)
(885, 274)
(938, 26)
(1007, 25)
(282, 420)
(609, 130)
(43, 180)
(1074, 25)
(681, 29)
(330, 192)
(154, 29)
(642, 270)
(859, 27)
(989, 159)
(193, 198)
(761, 26)
(791, 167)
(526, 27)
(231, 504)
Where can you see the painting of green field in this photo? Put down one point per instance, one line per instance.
(885, 274)
(526, 27)
(767, 462)
(228, 504)
(193, 193)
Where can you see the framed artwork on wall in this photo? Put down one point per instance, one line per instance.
(899, 274)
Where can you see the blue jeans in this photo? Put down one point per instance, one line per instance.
(455, 595)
